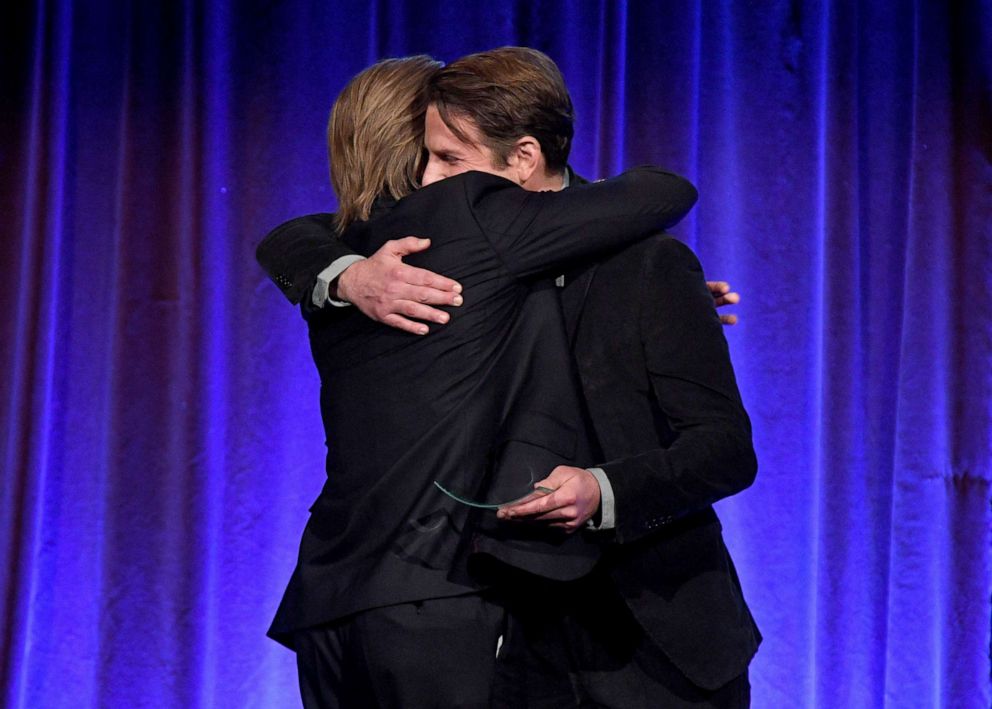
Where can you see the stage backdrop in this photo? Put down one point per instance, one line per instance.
(158, 409)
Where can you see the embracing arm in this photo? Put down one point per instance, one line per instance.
(295, 252)
(693, 384)
(536, 232)
(304, 257)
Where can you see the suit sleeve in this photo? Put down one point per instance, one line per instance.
(295, 252)
(536, 232)
(693, 384)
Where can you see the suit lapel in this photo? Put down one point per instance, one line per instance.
(573, 296)
(577, 282)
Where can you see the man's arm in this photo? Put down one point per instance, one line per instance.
(693, 383)
(298, 253)
(540, 232)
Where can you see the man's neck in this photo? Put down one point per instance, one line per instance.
(552, 182)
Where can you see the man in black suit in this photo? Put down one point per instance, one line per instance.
(662, 620)
(383, 594)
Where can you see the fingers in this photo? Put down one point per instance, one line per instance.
(568, 526)
(722, 295)
(531, 506)
(419, 311)
(562, 515)
(430, 280)
(408, 286)
(575, 497)
(402, 312)
(562, 495)
(718, 287)
(419, 276)
(567, 517)
(394, 293)
(409, 301)
(727, 299)
(401, 323)
(406, 245)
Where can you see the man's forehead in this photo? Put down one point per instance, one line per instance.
(459, 129)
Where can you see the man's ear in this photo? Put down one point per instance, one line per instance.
(526, 159)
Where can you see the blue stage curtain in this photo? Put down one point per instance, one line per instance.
(161, 436)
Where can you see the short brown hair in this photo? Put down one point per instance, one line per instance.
(508, 93)
(375, 136)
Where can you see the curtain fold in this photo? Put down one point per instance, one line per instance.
(159, 409)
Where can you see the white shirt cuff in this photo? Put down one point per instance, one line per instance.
(320, 295)
(607, 502)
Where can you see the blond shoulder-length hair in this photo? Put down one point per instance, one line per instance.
(375, 137)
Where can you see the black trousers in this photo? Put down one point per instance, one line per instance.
(577, 644)
(434, 653)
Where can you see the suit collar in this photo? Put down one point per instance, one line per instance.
(577, 281)
(573, 297)
(383, 203)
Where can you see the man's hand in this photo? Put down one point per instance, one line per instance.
(575, 499)
(722, 295)
(390, 291)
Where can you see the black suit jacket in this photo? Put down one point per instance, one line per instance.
(668, 420)
(485, 405)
